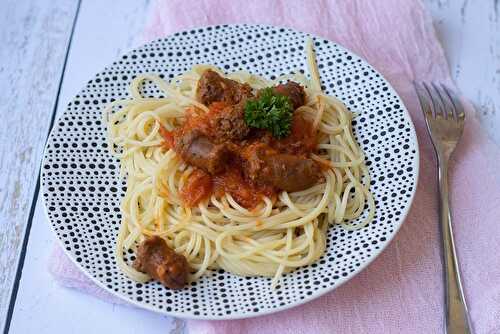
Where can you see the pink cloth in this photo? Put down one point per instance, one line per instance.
(402, 291)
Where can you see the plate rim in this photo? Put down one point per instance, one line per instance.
(318, 293)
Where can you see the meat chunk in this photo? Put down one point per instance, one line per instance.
(214, 88)
(283, 171)
(229, 123)
(289, 172)
(198, 150)
(159, 261)
(293, 91)
(302, 139)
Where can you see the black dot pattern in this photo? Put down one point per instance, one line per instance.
(82, 189)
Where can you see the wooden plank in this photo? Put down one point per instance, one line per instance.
(104, 31)
(470, 33)
(33, 36)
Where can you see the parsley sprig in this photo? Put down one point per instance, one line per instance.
(270, 111)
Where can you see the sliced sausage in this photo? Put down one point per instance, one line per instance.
(283, 171)
(162, 263)
(198, 150)
(289, 172)
(293, 91)
(229, 123)
(214, 88)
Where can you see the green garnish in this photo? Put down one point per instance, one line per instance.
(270, 111)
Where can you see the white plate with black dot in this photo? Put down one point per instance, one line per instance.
(82, 189)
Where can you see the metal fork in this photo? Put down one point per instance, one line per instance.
(445, 117)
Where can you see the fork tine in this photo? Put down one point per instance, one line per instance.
(441, 101)
(457, 105)
(448, 101)
(423, 99)
(433, 104)
(434, 99)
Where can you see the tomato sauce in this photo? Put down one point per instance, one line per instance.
(302, 139)
(201, 185)
(168, 136)
(245, 192)
(198, 187)
(195, 119)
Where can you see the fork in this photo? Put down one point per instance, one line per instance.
(445, 117)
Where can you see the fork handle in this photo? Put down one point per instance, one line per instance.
(457, 316)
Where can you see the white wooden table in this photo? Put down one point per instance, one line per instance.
(48, 50)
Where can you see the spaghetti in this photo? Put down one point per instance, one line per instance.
(276, 236)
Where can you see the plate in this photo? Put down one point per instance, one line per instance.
(82, 188)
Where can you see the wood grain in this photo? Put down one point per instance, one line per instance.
(33, 42)
(469, 31)
(104, 31)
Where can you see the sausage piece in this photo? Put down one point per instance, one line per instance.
(283, 171)
(293, 91)
(289, 172)
(229, 123)
(214, 88)
(198, 150)
(159, 261)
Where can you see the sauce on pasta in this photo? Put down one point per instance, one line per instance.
(234, 172)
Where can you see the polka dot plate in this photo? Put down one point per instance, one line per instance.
(82, 188)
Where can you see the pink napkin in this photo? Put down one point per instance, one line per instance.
(401, 291)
